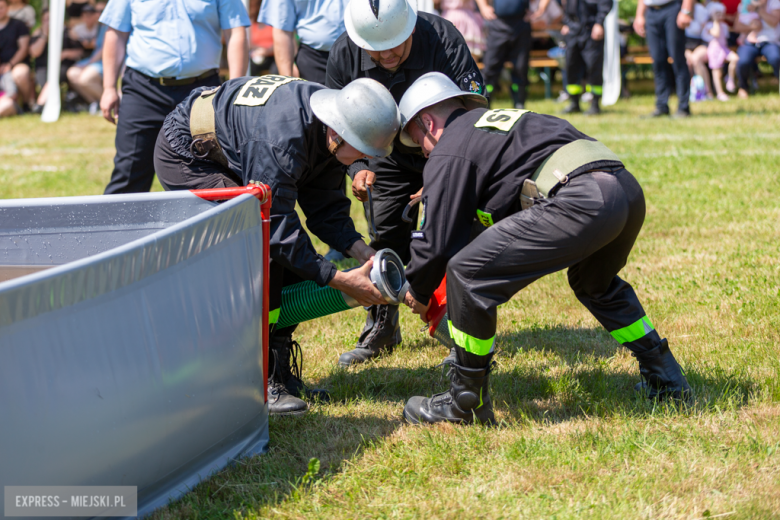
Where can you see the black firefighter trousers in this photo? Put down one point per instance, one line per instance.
(589, 227)
(584, 60)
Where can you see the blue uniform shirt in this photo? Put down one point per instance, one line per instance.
(174, 38)
(318, 22)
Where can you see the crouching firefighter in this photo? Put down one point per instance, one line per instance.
(550, 198)
(297, 137)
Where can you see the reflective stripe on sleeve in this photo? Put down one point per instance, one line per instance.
(639, 329)
(479, 347)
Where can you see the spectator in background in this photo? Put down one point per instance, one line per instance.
(86, 31)
(464, 16)
(695, 49)
(20, 10)
(547, 15)
(39, 51)
(14, 71)
(762, 40)
(584, 31)
(73, 9)
(261, 49)
(716, 34)
(318, 24)
(86, 76)
(508, 39)
(170, 51)
(663, 22)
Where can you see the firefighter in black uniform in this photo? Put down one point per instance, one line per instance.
(550, 198)
(583, 28)
(297, 137)
(388, 41)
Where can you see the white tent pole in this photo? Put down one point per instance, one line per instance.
(51, 110)
(612, 86)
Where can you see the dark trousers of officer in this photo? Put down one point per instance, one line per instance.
(508, 39)
(176, 172)
(666, 40)
(312, 63)
(398, 176)
(144, 106)
(589, 227)
(584, 61)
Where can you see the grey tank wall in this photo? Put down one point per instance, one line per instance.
(55, 231)
(140, 365)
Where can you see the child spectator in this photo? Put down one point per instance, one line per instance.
(763, 20)
(14, 71)
(21, 11)
(464, 16)
(695, 48)
(86, 76)
(716, 33)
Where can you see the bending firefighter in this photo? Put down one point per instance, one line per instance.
(297, 137)
(549, 198)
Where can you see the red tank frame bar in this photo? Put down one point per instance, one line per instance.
(262, 192)
(438, 307)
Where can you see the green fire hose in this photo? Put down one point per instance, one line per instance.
(306, 301)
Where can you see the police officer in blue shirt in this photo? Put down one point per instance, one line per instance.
(318, 24)
(169, 47)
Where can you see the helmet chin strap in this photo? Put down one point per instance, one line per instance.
(336, 143)
(419, 122)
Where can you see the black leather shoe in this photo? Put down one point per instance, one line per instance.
(682, 114)
(573, 107)
(594, 108)
(466, 402)
(661, 374)
(657, 112)
(379, 337)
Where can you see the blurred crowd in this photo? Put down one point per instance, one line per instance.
(723, 42)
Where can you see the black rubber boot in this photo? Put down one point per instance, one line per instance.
(289, 358)
(467, 401)
(380, 335)
(280, 402)
(574, 106)
(594, 109)
(661, 374)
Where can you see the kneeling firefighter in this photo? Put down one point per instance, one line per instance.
(549, 198)
(297, 137)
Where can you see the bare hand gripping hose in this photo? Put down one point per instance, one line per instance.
(306, 301)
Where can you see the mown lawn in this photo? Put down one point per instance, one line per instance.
(574, 441)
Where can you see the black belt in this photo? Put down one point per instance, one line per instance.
(173, 82)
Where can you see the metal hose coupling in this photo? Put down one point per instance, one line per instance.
(306, 301)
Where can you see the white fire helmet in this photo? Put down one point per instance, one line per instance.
(429, 89)
(378, 25)
(363, 113)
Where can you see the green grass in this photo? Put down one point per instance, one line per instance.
(574, 441)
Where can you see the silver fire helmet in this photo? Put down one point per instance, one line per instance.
(429, 89)
(378, 25)
(363, 113)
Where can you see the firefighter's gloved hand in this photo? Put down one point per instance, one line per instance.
(417, 307)
(362, 182)
(356, 283)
